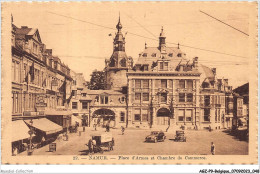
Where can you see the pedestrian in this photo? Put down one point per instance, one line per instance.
(90, 146)
(212, 148)
(209, 128)
(123, 130)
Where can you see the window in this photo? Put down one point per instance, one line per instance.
(84, 105)
(188, 115)
(145, 55)
(190, 97)
(163, 83)
(219, 114)
(84, 94)
(145, 96)
(145, 115)
(207, 114)
(154, 55)
(189, 84)
(74, 105)
(216, 115)
(164, 66)
(170, 54)
(181, 115)
(179, 54)
(137, 115)
(103, 99)
(161, 65)
(122, 117)
(207, 100)
(181, 97)
(182, 84)
(145, 83)
(138, 84)
(145, 67)
(138, 67)
(123, 62)
(138, 97)
(163, 97)
(97, 98)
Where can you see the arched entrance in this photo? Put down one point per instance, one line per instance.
(103, 116)
(163, 116)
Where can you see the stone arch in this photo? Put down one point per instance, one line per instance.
(102, 116)
(163, 116)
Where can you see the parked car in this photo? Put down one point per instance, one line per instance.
(155, 136)
(180, 136)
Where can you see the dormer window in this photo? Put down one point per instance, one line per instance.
(145, 67)
(145, 55)
(35, 48)
(164, 66)
(154, 55)
(84, 94)
(138, 67)
(170, 54)
(179, 55)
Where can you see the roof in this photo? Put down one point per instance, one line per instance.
(24, 31)
(171, 54)
(242, 90)
(207, 71)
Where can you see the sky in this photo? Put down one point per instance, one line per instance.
(78, 32)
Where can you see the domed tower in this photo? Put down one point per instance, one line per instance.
(118, 64)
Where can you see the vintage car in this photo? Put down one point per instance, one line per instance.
(155, 136)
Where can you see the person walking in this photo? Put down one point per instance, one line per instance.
(212, 148)
(123, 130)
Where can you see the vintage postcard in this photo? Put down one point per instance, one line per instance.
(129, 83)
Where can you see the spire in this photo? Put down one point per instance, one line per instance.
(162, 43)
(162, 33)
(145, 45)
(119, 25)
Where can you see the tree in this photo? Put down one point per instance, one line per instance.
(97, 80)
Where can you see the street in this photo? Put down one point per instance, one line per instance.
(132, 143)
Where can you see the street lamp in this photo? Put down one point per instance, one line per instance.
(30, 132)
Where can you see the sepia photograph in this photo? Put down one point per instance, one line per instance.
(129, 82)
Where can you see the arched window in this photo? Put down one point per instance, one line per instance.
(123, 62)
(112, 63)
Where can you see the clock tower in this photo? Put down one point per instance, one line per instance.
(118, 64)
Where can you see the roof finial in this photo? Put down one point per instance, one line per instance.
(119, 25)
(178, 45)
(145, 45)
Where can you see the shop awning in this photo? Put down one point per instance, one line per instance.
(19, 130)
(45, 125)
